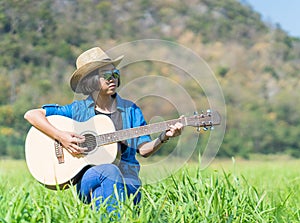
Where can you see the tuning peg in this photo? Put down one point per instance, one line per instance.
(212, 127)
(202, 114)
(208, 111)
(195, 113)
(198, 129)
(204, 126)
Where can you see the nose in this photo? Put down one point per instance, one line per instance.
(112, 79)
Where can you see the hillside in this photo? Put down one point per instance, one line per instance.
(256, 64)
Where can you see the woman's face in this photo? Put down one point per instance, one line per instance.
(108, 83)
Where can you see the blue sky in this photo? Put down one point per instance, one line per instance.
(284, 12)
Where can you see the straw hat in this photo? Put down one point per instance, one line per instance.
(89, 61)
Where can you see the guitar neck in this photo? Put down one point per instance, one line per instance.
(124, 134)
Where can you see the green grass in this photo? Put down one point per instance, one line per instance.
(227, 191)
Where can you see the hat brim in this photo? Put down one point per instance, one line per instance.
(88, 68)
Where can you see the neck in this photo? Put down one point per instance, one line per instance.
(104, 103)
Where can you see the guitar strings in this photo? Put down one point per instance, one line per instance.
(90, 142)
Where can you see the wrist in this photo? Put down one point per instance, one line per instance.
(163, 138)
(57, 135)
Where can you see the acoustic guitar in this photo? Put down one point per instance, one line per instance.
(53, 166)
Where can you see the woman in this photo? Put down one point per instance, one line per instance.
(96, 76)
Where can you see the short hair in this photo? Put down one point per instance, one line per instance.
(89, 83)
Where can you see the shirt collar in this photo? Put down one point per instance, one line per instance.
(91, 103)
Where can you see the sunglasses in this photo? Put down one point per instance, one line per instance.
(108, 75)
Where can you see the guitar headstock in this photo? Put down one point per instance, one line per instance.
(204, 120)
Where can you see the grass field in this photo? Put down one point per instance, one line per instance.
(265, 190)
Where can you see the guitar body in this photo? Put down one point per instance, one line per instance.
(52, 165)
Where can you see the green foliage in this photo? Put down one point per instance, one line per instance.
(3, 143)
(269, 69)
(225, 20)
(222, 71)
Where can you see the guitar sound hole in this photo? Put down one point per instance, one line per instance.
(89, 143)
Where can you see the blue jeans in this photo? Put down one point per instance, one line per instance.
(98, 183)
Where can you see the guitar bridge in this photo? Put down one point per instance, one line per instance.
(59, 152)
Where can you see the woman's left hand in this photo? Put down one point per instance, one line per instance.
(175, 130)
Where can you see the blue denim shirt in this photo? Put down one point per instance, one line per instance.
(83, 110)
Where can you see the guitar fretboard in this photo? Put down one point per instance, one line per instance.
(124, 134)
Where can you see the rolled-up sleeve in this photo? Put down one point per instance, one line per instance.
(140, 121)
(55, 109)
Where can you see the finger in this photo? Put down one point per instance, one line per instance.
(170, 132)
(179, 125)
(78, 136)
(76, 140)
(72, 151)
(172, 127)
(176, 130)
(79, 149)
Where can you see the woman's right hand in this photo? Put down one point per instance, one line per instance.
(70, 141)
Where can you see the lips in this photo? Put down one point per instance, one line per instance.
(112, 86)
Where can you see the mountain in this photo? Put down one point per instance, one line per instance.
(256, 64)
